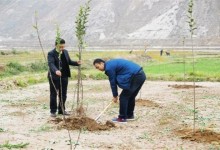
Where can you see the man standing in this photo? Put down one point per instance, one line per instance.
(59, 71)
(128, 76)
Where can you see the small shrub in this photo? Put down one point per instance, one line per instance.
(2, 130)
(32, 80)
(14, 51)
(13, 68)
(16, 65)
(21, 83)
(3, 53)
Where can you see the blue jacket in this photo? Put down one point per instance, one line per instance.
(120, 73)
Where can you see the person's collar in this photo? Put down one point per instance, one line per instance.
(58, 51)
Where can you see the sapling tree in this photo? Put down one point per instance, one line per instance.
(81, 21)
(58, 35)
(58, 38)
(184, 63)
(192, 28)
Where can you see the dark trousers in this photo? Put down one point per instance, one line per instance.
(53, 94)
(127, 97)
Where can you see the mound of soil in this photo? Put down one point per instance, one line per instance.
(176, 86)
(206, 136)
(74, 123)
(147, 103)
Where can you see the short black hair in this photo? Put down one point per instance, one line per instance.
(60, 41)
(98, 61)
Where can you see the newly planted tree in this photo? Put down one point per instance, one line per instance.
(184, 62)
(192, 28)
(81, 21)
(58, 38)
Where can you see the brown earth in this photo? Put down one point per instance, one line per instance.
(206, 136)
(147, 103)
(176, 86)
(86, 123)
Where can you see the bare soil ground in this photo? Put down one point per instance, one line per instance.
(163, 118)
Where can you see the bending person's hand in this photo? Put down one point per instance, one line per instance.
(79, 62)
(115, 99)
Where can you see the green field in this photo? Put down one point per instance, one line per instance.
(27, 68)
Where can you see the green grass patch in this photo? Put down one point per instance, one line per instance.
(44, 128)
(30, 68)
(14, 146)
(15, 68)
(206, 69)
(24, 74)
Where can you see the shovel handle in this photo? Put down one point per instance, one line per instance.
(103, 111)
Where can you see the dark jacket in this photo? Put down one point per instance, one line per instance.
(120, 73)
(53, 63)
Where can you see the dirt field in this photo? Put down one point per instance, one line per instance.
(163, 115)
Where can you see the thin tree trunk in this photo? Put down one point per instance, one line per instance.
(79, 79)
(184, 64)
(194, 87)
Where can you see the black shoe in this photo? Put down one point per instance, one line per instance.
(53, 115)
(65, 113)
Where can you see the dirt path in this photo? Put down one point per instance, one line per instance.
(160, 112)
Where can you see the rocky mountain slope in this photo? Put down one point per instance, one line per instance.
(111, 22)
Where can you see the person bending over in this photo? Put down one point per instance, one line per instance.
(127, 75)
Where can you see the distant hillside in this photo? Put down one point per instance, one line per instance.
(111, 22)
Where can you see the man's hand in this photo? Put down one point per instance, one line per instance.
(58, 73)
(79, 62)
(115, 99)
